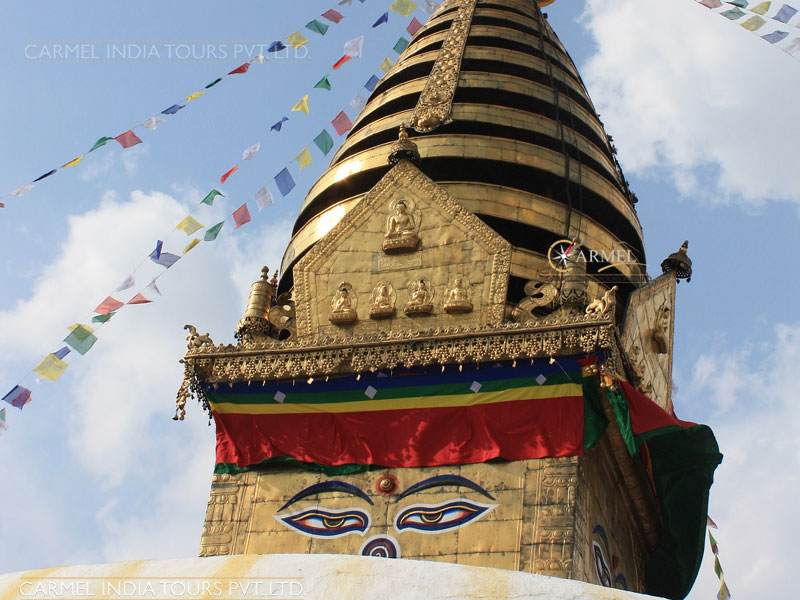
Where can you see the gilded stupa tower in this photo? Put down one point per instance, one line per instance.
(464, 359)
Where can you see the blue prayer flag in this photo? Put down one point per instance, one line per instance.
(279, 124)
(166, 259)
(156, 254)
(172, 109)
(45, 175)
(384, 18)
(370, 85)
(276, 47)
(785, 13)
(775, 36)
(284, 182)
(18, 396)
(62, 353)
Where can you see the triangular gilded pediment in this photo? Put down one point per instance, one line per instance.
(386, 267)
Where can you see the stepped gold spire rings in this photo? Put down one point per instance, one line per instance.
(436, 101)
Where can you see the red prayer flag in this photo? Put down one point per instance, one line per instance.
(240, 69)
(108, 305)
(128, 139)
(332, 16)
(342, 123)
(225, 176)
(414, 26)
(241, 215)
(138, 299)
(341, 61)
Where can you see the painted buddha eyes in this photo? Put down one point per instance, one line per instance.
(434, 518)
(327, 523)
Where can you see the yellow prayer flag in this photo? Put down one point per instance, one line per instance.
(403, 7)
(753, 23)
(296, 39)
(74, 162)
(51, 367)
(195, 96)
(386, 65)
(191, 245)
(761, 9)
(189, 225)
(304, 158)
(302, 105)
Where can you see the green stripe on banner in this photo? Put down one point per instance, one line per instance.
(285, 461)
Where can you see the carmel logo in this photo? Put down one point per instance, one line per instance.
(563, 254)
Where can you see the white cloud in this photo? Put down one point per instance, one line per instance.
(754, 497)
(102, 472)
(683, 90)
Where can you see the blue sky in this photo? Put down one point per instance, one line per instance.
(702, 113)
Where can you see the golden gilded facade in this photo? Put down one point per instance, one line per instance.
(476, 213)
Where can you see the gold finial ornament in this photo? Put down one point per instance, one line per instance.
(254, 325)
(457, 298)
(403, 148)
(679, 263)
(343, 305)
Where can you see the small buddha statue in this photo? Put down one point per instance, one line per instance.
(382, 302)
(342, 306)
(401, 230)
(419, 299)
(457, 298)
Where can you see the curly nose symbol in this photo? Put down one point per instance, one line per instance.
(384, 546)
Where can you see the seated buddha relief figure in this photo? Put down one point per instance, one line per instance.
(382, 301)
(456, 298)
(401, 230)
(343, 305)
(420, 298)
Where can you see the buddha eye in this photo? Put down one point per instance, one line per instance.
(434, 518)
(327, 523)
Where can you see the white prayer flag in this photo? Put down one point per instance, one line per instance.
(263, 198)
(127, 284)
(22, 190)
(154, 287)
(258, 59)
(358, 102)
(250, 152)
(353, 47)
(152, 123)
(429, 6)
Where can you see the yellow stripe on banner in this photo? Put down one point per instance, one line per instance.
(554, 392)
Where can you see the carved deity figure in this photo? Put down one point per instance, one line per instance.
(457, 298)
(401, 230)
(382, 302)
(342, 306)
(419, 299)
(661, 329)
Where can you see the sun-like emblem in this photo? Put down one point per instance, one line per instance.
(561, 254)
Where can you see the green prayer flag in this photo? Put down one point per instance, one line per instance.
(324, 142)
(323, 83)
(401, 45)
(717, 567)
(81, 338)
(102, 318)
(211, 195)
(733, 14)
(213, 83)
(101, 142)
(317, 27)
(213, 232)
(739, 3)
